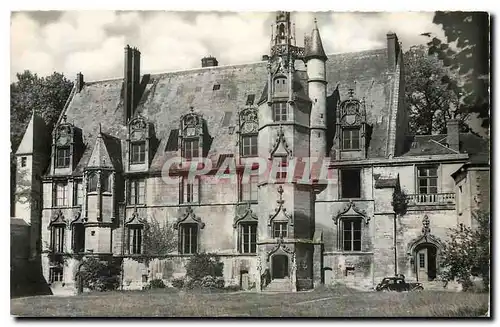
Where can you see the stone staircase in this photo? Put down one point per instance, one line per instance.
(279, 285)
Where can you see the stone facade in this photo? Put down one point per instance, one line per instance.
(105, 172)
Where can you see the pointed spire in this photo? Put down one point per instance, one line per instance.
(314, 46)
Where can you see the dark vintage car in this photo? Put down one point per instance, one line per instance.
(397, 284)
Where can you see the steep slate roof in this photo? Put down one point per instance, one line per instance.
(33, 137)
(475, 146)
(170, 95)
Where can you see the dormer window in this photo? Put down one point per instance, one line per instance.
(279, 111)
(249, 127)
(193, 136)
(351, 122)
(138, 141)
(63, 157)
(350, 138)
(63, 150)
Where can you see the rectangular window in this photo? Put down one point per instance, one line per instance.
(191, 149)
(248, 191)
(61, 194)
(248, 234)
(350, 139)
(23, 161)
(78, 238)
(427, 180)
(135, 240)
(78, 193)
(57, 239)
(189, 191)
(280, 230)
(138, 153)
(137, 191)
(279, 111)
(189, 239)
(351, 235)
(350, 183)
(282, 168)
(56, 274)
(62, 157)
(249, 145)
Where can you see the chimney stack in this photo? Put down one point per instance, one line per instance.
(209, 62)
(453, 134)
(131, 87)
(79, 82)
(393, 50)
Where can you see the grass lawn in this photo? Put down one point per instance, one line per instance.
(337, 302)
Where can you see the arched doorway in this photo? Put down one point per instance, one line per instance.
(279, 266)
(426, 262)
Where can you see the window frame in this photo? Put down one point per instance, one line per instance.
(192, 149)
(351, 221)
(82, 238)
(137, 152)
(57, 192)
(78, 193)
(135, 239)
(57, 238)
(92, 179)
(350, 139)
(252, 147)
(248, 246)
(191, 190)
(60, 274)
(134, 195)
(344, 183)
(427, 178)
(283, 231)
(246, 194)
(280, 111)
(24, 161)
(63, 161)
(193, 245)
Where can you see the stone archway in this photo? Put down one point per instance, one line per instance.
(425, 259)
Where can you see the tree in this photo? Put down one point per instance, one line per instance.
(466, 53)
(431, 104)
(159, 238)
(467, 253)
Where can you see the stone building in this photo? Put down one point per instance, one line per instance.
(100, 178)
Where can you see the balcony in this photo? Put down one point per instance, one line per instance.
(431, 201)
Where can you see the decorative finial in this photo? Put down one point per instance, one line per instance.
(315, 22)
(351, 93)
(100, 129)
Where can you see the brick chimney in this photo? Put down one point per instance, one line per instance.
(453, 134)
(393, 50)
(131, 87)
(209, 62)
(79, 82)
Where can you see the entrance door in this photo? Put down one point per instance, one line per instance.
(280, 266)
(426, 263)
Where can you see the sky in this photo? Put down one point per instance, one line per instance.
(92, 42)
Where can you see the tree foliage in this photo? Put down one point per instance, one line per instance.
(466, 53)
(98, 275)
(431, 104)
(44, 95)
(399, 201)
(467, 253)
(159, 238)
(204, 264)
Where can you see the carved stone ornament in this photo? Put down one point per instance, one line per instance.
(78, 219)
(426, 230)
(57, 218)
(189, 217)
(191, 124)
(280, 247)
(280, 213)
(249, 122)
(138, 129)
(64, 135)
(135, 219)
(244, 213)
(280, 147)
(350, 210)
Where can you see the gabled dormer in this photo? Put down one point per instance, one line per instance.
(248, 131)
(351, 127)
(194, 138)
(67, 147)
(141, 144)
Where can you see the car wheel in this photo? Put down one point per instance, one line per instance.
(386, 290)
(418, 289)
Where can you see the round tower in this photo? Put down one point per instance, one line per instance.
(315, 59)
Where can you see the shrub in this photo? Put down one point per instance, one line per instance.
(192, 284)
(178, 282)
(232, 288)
(208, 282)
(203, 264)
(156, 283)
(98, 275)
(219, 282)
